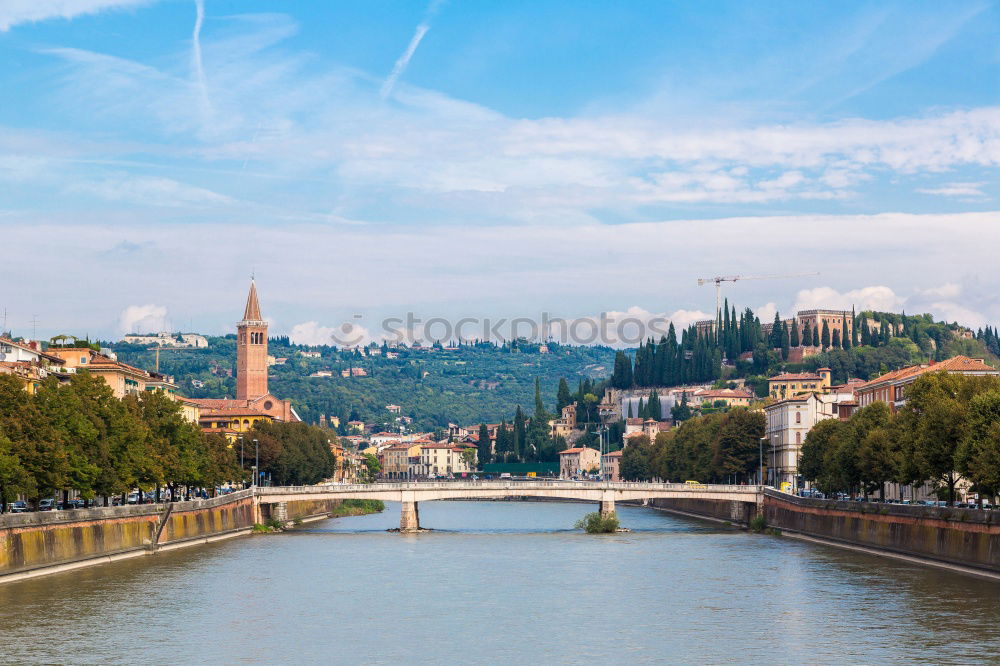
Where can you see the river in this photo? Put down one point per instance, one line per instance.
(503, 582)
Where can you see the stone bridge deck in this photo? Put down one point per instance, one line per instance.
(410, 493)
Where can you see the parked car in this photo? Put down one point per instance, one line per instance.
(17, 507)
(47, 505)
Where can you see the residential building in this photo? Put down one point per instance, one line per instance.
(564, 425)
(611, 466)
(393, 409)
(442, 459)
(27, 362)
(401, 460)
(891, 387)
(789, 384)
(788, 424)
(731, 397)
(578, 460)
(123, 379)
(310, 354)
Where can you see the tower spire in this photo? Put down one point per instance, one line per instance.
(252, 310)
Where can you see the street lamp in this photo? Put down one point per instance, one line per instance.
(760, 462)
(243, 478)
(256, 467)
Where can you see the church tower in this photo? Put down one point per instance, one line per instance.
(251, 350)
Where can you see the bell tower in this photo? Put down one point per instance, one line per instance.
(251, 350)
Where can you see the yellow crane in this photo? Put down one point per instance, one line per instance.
(719, 279)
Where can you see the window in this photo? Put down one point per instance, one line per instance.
(798, 438)
(83, 360)
(798, 417)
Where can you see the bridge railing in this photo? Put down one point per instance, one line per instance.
(508, 485)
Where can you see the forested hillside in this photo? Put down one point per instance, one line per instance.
(434, 386)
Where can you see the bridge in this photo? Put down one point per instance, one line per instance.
(409, 494)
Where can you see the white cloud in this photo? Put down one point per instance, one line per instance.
(957, 190)
(151, 191)
(867, 298)
(14, 12)
(766, 312)
(347, 334)
(143, 319)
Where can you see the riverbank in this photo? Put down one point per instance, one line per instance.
(41, 543)
(962, 540)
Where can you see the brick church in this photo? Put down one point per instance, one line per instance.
(253, 400)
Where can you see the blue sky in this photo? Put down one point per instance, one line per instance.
(492, 159)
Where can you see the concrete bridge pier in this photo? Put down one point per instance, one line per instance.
(607, 504)
(409, 513)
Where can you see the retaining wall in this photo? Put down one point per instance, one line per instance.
(965, 537)
(46, 542)
(739, 513)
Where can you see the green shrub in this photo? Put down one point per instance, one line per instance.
(595, 523)
(758, 523)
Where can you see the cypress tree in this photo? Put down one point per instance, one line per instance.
(845, 339)
(825, 339)
(653, 408)
(485, 451)
(793, 340)
(630, 414)
(815, 342)
(517, 441)
(785, 343)
(776, 332)
(563, 397)
(854, 328)
(807, 338)
(836, 339)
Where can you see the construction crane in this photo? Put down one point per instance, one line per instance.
(719, 279)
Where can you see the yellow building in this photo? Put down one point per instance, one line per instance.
(398, 459)
(789, 384)
(731, 397)
(122, 378)
(236, 419)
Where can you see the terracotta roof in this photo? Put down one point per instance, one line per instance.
(20, 345)
(794, 376)
(578, 449)
(634, 421)
(613, 454)
(961, 364)
(726, 393)
(252, 310)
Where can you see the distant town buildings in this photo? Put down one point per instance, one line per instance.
(890, 388)
(165, 339)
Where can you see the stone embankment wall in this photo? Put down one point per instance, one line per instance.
(738, 513)
(51, 541)
(965, 537)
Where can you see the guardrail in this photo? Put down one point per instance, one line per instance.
(507, 485)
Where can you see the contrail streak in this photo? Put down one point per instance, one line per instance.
(404, 60)
(199, 71)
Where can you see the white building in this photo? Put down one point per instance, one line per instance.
(167, 339)
(788, 423)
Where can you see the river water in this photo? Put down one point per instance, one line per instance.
(503, 582)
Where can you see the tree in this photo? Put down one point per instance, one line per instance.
(563, 397)
(735, 448)
(485, 454)
(785, 342)
(635, 463)
(940, 424)
(469, 457)
(370, 469)
(806, 334)
(816, 340)
(776, 332)
(979, 453)
(653, 409)
(835, 343)
(825, 336)
(681, 411)
(816, 462)
(794, 340)
(520, 436)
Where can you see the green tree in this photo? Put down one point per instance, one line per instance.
(563, 397)
(794, 339)
(485, 454)
(825, 337)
